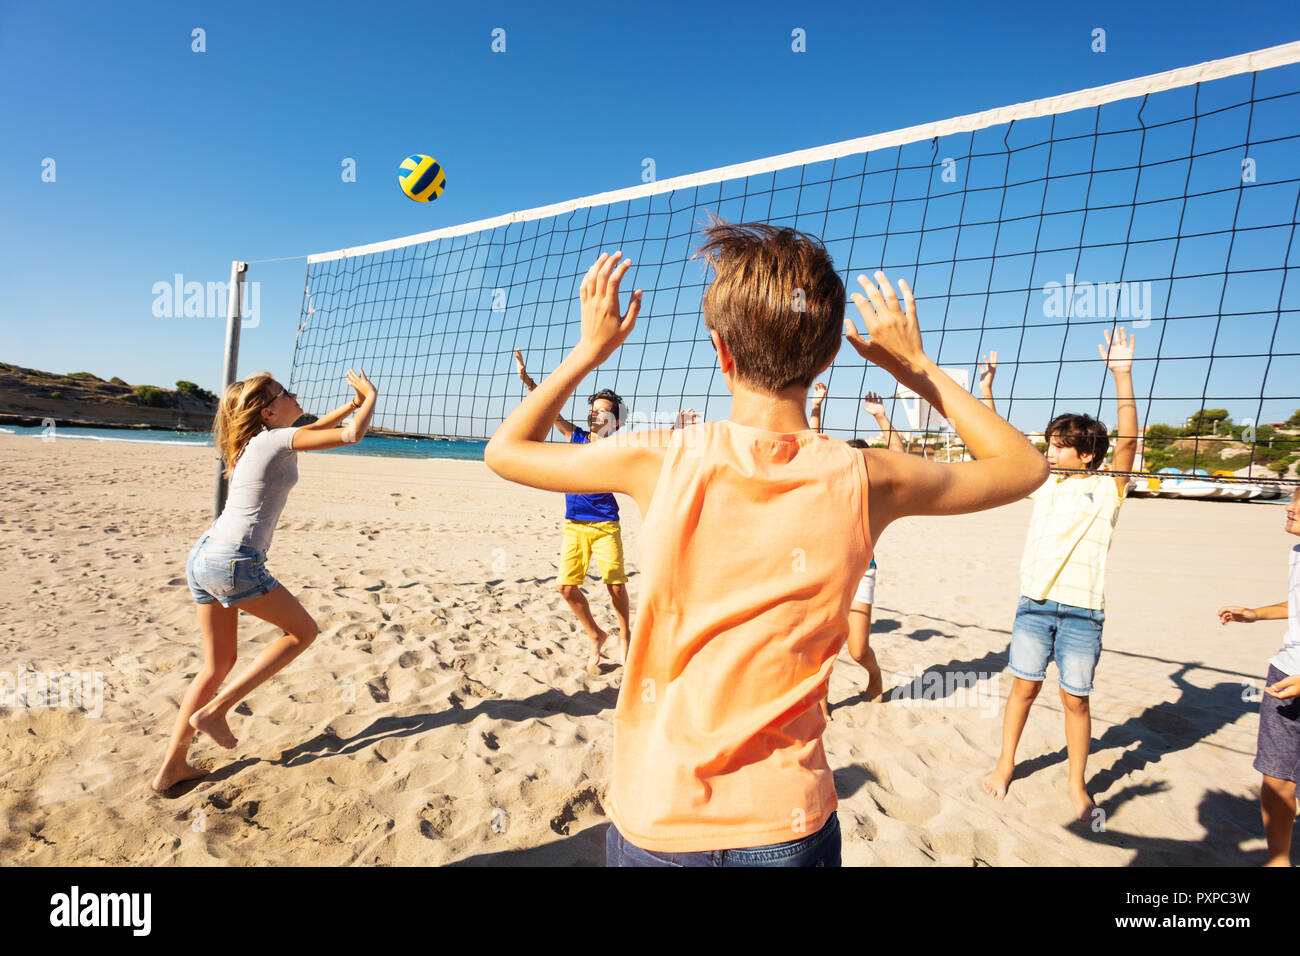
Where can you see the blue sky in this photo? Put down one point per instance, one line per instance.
(170, 161)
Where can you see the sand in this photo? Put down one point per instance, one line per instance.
(443, 715)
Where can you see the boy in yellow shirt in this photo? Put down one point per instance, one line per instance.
(1060, 613)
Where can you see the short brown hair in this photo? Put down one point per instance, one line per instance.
(1085, 434)
(775, 300)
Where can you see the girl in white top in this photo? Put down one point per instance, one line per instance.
(226, 570)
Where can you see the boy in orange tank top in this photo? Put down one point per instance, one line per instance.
(747, 560)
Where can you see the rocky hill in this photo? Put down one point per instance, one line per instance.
(29, 396)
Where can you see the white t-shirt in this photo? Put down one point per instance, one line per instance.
(1287, 660)
(259, 487)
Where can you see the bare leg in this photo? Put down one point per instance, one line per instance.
(622, 607)
(282, 609)
(1019, 701)
(1277, 804)
(1078, 740)
(860, 648)
(218, 626)
(578, 602)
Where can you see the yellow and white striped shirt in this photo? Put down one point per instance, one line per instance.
(1069, 537)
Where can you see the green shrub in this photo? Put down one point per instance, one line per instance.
(1159, 436)
(86, 375)
(117, 381)
(1041, 446)
(189, 388)
(56, 394)
(148, 395)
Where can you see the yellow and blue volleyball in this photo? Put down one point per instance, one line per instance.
(421, 178)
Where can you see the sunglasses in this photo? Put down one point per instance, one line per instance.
(283, 392)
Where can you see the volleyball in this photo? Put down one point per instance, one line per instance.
(421, 178)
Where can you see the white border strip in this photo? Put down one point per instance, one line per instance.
(1265, 59)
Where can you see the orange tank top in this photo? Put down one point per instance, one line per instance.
(750, 553)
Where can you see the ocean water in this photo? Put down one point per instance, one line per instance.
(373, 445)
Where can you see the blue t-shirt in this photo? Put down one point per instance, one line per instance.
(602, 507)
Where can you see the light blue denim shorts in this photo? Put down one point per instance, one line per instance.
(226, 573)
(1046, 630)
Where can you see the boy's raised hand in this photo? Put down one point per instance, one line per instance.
(604, 325)
(819, 393)
(893, 333)
(872, 404)
(687, 416)
(1117, 353)
(988, 367)
(523, 371)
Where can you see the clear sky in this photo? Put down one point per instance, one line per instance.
(173, 162)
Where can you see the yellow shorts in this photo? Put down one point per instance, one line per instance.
(582, 539)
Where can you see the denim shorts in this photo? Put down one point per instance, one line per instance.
(226, 573)
(1046, 630)
(820, 849)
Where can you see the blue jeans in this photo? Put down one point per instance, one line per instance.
(820, 849)
(226, 573)
(1046, 630)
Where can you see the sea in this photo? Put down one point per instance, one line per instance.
(378, 446)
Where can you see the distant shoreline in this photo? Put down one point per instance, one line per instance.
(35, 421)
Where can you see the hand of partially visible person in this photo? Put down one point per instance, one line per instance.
(1285, 689)
(1242, 615)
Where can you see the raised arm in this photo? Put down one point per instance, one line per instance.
(333, 418)
(874, 407)
(1118, 353)
(1007, 468)
(988, 367)
(815, 416)
(322, 438)
(629, 464)
(562, 425)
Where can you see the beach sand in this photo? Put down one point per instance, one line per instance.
(443, 715)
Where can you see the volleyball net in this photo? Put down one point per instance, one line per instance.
(1166, 204)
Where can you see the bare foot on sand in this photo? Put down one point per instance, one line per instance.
(168, 777)
(215, 726)
(593, 661)
(875, 679)
(996, 783)
(1083, 805)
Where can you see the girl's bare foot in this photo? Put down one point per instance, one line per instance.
(215, 726)
(1083, 805)
(996, 783)
(593, 662)
(168, 777)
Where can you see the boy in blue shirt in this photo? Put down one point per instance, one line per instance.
(591, 527)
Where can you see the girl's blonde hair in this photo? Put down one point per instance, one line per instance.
(239, 416)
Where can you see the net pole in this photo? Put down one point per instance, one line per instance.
(229, 368)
